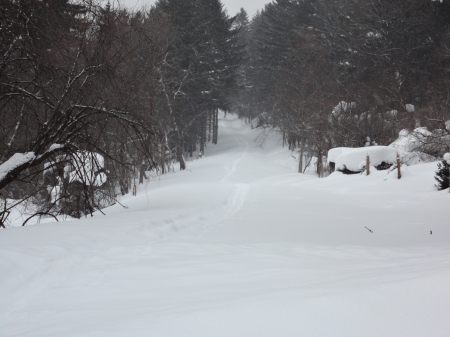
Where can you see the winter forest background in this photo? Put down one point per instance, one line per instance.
(93, 96)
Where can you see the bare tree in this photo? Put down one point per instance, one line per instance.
(87, 90)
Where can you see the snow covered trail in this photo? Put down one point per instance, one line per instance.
(239, 245)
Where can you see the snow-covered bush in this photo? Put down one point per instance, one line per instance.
(410, 146)
(423, 145)
(76, 184)
(87, 168)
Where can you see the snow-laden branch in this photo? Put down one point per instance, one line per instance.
(15, 161)
(11, 169)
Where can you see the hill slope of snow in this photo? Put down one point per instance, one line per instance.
(240, 245)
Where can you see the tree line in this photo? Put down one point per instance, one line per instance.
(329, 73)
(93, 95)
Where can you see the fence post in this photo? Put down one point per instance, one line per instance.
(367, 165)
(399, 172)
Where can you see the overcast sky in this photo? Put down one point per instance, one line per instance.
(233, 6)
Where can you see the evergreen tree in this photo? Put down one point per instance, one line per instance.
(241, 100)
(442, 175)
(306, 56)
(199, 71)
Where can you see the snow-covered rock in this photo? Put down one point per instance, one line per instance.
(354, 158)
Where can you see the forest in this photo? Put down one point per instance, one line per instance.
(93, 96)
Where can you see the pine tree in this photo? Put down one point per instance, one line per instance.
(442, 175)
(200, 69)
(241, 104)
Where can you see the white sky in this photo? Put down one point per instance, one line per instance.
(233, 6)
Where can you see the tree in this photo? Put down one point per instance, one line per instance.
(240, 103)
(443, 175)
(309, 57)
(84, 91)
(198, 74)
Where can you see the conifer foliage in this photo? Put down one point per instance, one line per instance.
(331, 73)
(443, 174)
(199, 70)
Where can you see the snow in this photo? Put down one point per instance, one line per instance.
(16, 160)
(372, 34)
(84, 168)
(55, 147)
(407, 144)
(343, 106)
(447, 157)
(354, 158)
(392, 113)
(21, 211)
(239, 245)
(410, 108)
(334, 153)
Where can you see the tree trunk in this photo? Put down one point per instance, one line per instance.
(367, 165)
(142, 174)
(319, 163)
(209, 122)
(302, 150)
(215, 125)
(203, 134)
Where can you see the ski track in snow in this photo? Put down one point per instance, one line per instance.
(239, 245)
(231, 169)
(237, 199)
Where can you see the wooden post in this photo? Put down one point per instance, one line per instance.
(399, 172)
(367, 165)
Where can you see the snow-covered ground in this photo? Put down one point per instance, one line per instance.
(240, 245)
